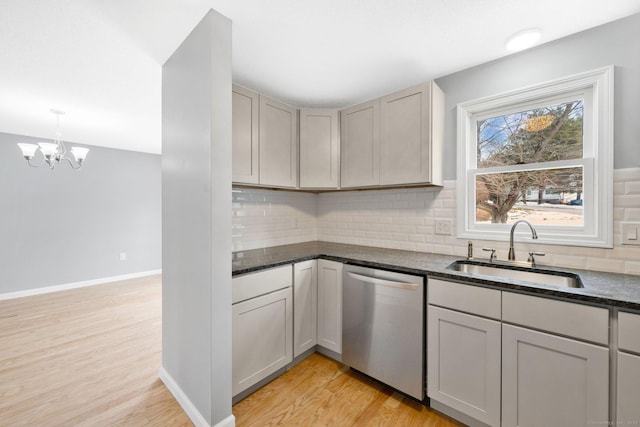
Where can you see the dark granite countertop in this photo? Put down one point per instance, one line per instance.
(614, 289)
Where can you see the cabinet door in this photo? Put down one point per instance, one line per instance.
(330, 305)
(463, 363)
(319, 148)
(278, 144)
(549, 380)
(245, 135)
(628, 411)
(262, 333)
(305, 306)
(405, 149)
(360, 145)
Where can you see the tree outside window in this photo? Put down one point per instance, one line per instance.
(524, 138)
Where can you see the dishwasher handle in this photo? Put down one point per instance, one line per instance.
(383, 282)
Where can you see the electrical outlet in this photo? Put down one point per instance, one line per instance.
(444, 226)
(123, 256)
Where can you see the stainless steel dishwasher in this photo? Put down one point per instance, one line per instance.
(382, 327)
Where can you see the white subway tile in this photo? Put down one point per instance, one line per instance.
(627, 201)
(632, 187)
(602, 264)
(630, 174)
(567, 261)
(619, 187)
(424, 247)
(632, 267)
(631, 214)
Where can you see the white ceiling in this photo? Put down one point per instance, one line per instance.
(100, 60)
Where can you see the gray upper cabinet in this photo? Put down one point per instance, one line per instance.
(411, 136)
(245, 135)
(278, 144)
(265, 140)
(360, 145)
(394, 140)
(319, 148)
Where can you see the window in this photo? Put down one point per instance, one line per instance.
(543, 153)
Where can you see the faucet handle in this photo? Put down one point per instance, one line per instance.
(493, 253)
(531, 259)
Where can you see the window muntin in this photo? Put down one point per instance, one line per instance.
(571, 169)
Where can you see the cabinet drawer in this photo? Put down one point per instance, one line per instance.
(574, 320)
(262, 282)
(629, 332)
(468, 298)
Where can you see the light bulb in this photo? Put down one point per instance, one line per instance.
(523, 40)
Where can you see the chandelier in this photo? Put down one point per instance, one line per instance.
(54, 152)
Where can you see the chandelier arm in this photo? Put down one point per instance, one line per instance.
(63, 148)
(32, 165)
(74, 166)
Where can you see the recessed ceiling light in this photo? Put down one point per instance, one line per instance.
(523, 39)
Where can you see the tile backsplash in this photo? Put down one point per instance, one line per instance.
(263, 218)
(406, 219)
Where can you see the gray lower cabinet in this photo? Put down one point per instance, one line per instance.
(463, 350)
(551, 380)
(628, 358)
(330, 305)
(262, 326)
(305, 306)
(555, 362)
(507, 359)
(464, 366)
(628, 389)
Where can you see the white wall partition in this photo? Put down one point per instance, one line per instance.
(196, 222)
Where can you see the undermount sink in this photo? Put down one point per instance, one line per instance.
(517, 272)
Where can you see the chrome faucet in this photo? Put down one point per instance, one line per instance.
(534, 235)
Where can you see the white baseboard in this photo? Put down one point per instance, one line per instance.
(67, 286)
(186, 404)
(230, 421)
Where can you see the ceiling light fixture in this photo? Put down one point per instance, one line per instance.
(523, 39)
(54, 152)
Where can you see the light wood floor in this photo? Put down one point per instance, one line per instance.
(90, 357)
(85, 357)
(322, 392)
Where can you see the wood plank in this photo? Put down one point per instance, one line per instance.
(90, 357)
(322, 392)
(86, 357)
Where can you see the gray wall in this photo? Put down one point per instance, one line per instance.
(196, 217)
(614, 43)
(63, 226)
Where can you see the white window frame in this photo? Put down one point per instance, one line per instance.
(596, 89)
